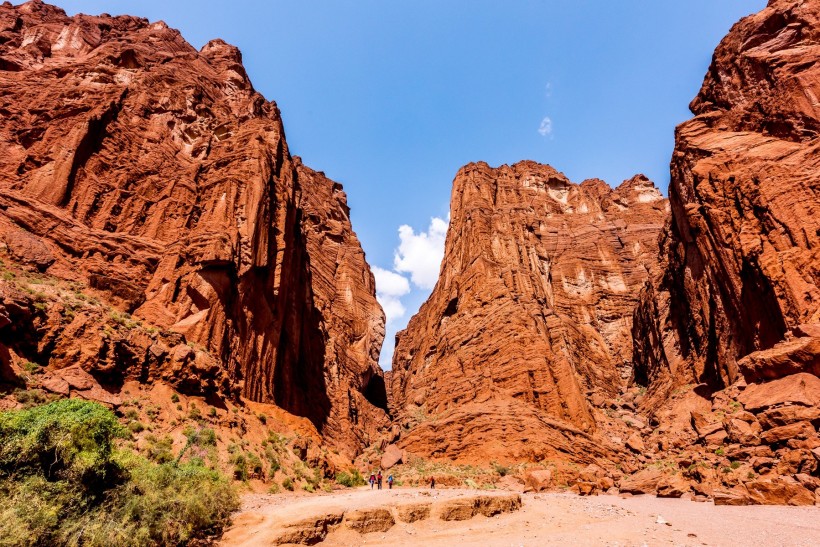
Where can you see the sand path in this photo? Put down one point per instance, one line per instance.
(544, 519)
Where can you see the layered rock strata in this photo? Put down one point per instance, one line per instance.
(156, 175)
(531, 314)
(741, 253)
(735, 310)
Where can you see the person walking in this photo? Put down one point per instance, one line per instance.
(432, 483)
(372, 480)
(379, 479)
(390, 482)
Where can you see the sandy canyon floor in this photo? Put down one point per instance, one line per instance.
(543, 519)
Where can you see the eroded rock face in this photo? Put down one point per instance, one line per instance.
(742, 251)
(735, 311)
(155, 174)
(531, 313)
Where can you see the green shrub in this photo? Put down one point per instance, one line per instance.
(254, 463)
(136, 427)
(160, 450)
(194, 413)
(174, 398)
(273, 459)
(350, 478)
(29, 397)
(32, 367)
(502, 470)
(207, 437)
(64, 481)
(240, 466)
(287, 484)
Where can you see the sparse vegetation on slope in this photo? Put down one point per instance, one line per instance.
(66, 482)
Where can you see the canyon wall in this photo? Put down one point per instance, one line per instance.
(154, 174)
(741, 254)
(530, 317)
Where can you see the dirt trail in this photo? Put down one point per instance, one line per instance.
(544, 519)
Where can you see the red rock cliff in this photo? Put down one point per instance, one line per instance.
(742, 251)
(531, 314)
(156, 174)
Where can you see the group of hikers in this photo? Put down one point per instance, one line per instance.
(376, 479)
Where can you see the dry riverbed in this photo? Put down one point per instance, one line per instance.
(541, 519)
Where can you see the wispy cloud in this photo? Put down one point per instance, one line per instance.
(545, 129)
(548, 90)
(390, 287)
(420, 254)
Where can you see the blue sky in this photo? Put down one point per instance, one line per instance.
(390, 98)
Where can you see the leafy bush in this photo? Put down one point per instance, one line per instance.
(64, 481)
(240, 466)
(287, 484)
(30, 397)
(159, 450)
(502, 470)
(350, 478)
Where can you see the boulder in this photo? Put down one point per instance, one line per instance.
(789, 357)
(797, 430)
(644, 481)
(540, 480)
(635, 443)
(673, 486)
(798, 389)
(779, 491)
(393, 455)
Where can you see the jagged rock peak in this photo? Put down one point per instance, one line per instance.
(155, 174)
(532, 311)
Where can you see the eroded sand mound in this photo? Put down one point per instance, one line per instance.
(307, 521)
(407, 517)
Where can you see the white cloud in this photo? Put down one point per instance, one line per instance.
(548, 90)
(420, 254)
(390, 287)
(546, 127)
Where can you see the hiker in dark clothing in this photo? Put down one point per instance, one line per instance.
(390, 482)
(432, 482)
(379, 479)
(372, 480)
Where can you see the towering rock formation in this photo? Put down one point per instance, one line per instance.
(155, 174)
(531, 314)
(742, 253)
(735, 310)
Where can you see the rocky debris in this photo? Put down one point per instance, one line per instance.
(532, 311)
(156, 175)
